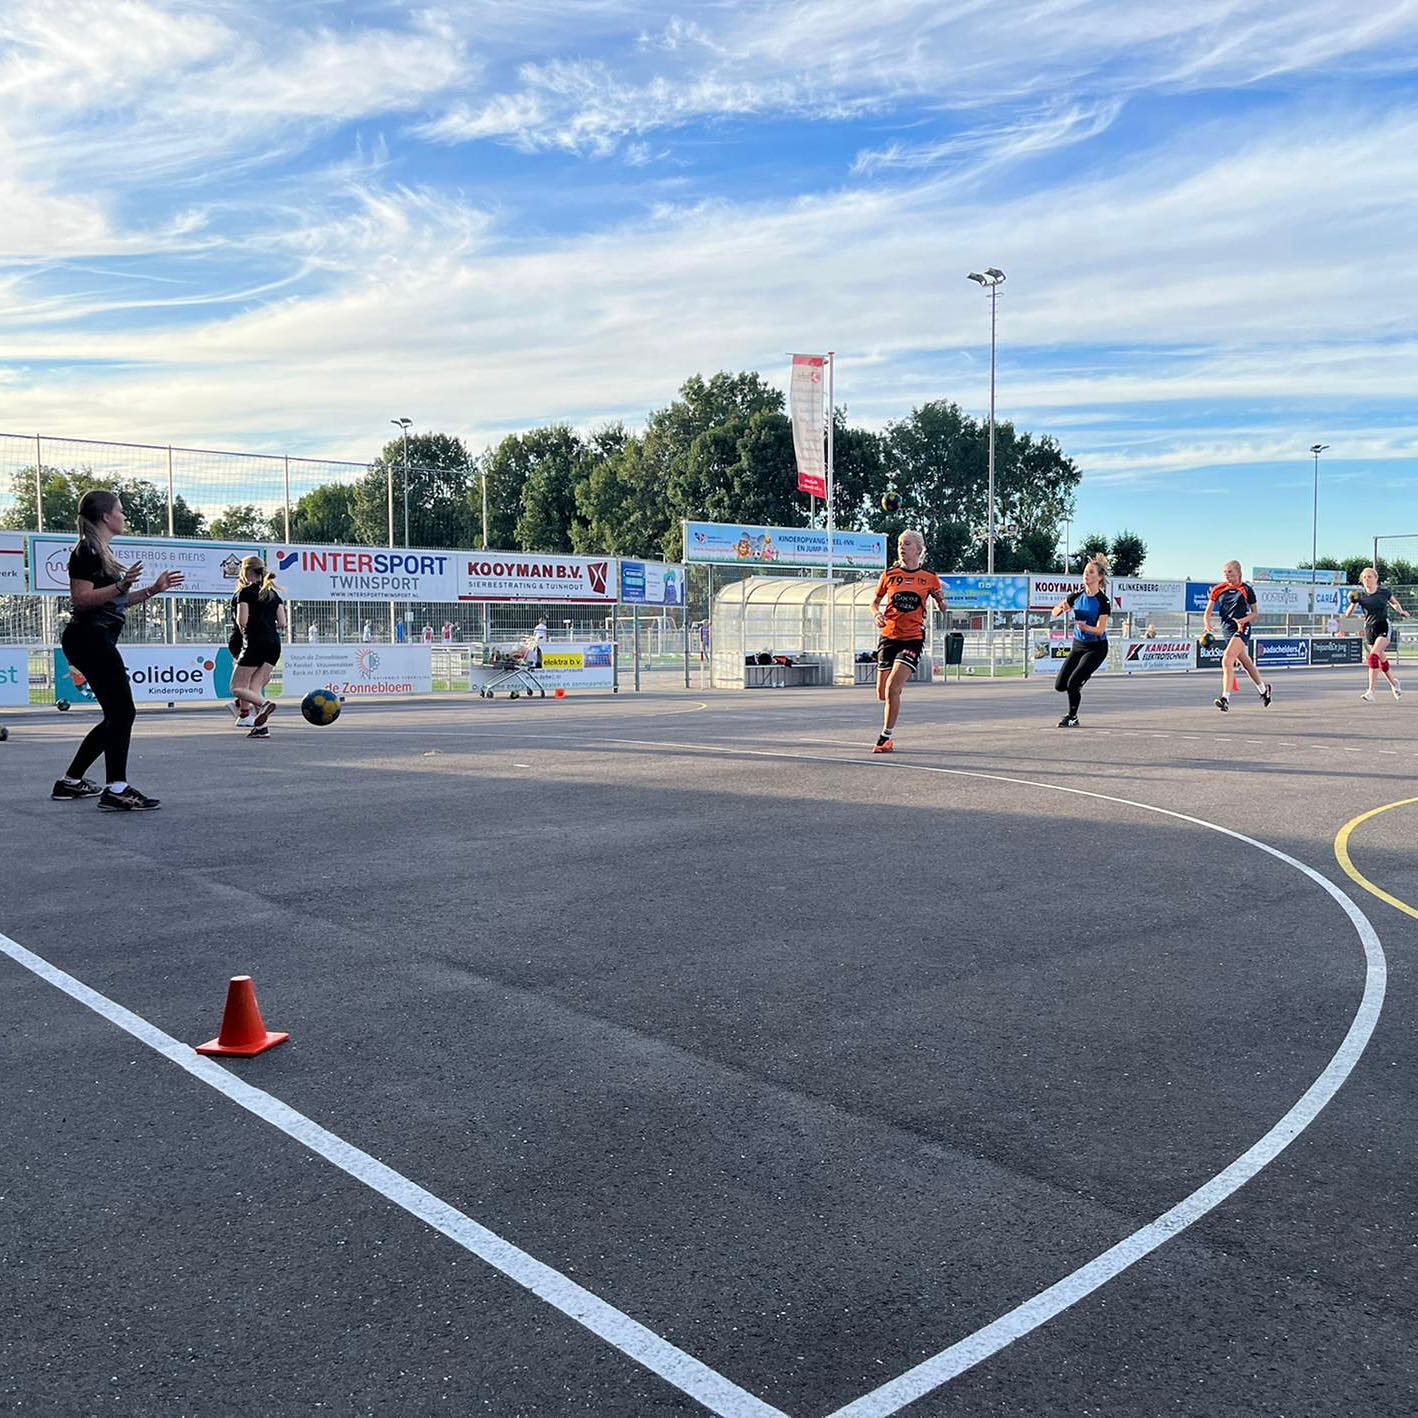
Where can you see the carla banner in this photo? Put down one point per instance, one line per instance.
(1275, 651)
(334, 573)
(157, 674)
(1333, 600)
(651, 583)
(1153, 656)
(14, 675)
(12, 564)
(209, 568)
(985, 593)
(1336, 650)
(740, 544)
(357, 671)
(528, 576)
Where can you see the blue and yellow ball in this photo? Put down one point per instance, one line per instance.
(320, 706)
(891, 502)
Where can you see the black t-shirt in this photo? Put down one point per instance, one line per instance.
(86, 565)
(1375, 606)
(261, 627)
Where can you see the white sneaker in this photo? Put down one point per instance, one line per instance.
(247, 722)
(1397, 692)
(1367, 696)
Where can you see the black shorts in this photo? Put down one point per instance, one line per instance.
(1244, 636)
(233, 644)
(908, 652)
(1373, 629)
(255, 653)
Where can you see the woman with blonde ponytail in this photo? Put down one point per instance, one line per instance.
(1091, 609)
(260, 617)
(101, 589)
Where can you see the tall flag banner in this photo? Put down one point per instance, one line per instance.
(805, 405)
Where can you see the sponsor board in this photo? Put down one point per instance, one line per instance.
(209, 568)
(1051, 650)
(12, 564)
(157, 674)
(1282, 598)
(1336, 650)
(357, 671)
(985, 593)
(1138, 596)
(1153, 656)
(1333, 600)
(1208, 657)
(1291, 573)
(651, 583)
(1045, 592)
(334, 573)
(14, 675)
(1276, 651)
(743, 544)
(527, 576)
(1197, 593)
(565, 665)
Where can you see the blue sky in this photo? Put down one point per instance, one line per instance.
(273, 227)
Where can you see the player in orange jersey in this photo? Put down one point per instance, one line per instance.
(899, 607)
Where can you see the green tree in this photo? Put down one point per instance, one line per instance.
(557, 462)
(325, 514)
(61, 489)
(1094, 544)
(439, 473)
(241, 523)
(1129, 552)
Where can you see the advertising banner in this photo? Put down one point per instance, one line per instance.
(1045, 592)
(357, 671)
(999, 593)
(1208, 657)
(157, 674)
(12, 564)
(651, 583)
(1332, 600)
(209, 568)
(1139, 597)
(332, 573)
(1197, 592)
(527, 576)
(1274, 651)
(1303, 575)
(740, 544)
(14, 675)
(565, 665)
(1336, 650)
(1050, 649)
(1282, 598)
(1153, 656)
(809, 427)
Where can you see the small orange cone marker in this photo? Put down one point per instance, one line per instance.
(244, 1032)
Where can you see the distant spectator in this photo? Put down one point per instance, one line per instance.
(427, 634)
(312, 634)
(366, 632)
(1151, 632)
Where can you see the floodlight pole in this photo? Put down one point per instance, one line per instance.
(1316, 449)
(403, 425)
(991, 281)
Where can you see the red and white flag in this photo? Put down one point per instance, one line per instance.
(805, 405)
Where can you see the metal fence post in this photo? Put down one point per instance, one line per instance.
(635, 643)
(287, 506)
(38, 484)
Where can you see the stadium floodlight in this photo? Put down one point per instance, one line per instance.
(402, 424)
(990, 281)
(1316, 449)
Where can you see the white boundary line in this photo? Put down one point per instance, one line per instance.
(689, 1375)
(965, 1353)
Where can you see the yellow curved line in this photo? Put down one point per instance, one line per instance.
(1341, 852)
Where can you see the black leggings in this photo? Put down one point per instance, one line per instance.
(1078, 669)
(95, 655)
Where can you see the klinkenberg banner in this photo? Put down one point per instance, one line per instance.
(1132, 594)
(805, 405)
(209, 568)
(356, 671)
(741, 544)
(536, 577)
(12, 563)
(332, 573)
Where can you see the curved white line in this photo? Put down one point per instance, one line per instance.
(965, 1353)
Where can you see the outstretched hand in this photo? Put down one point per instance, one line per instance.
(167, 581)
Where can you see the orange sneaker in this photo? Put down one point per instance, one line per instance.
(884, 745)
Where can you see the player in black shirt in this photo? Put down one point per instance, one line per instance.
(1376, 601)
(260, 616)
(101, 589)
(233, 645)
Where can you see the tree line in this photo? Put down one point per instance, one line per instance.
(722, 450)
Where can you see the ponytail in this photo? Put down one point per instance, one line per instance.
(254, 569)
(94, 506)
(1100, 560)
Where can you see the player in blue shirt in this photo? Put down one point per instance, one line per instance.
(1234, 600)
(1091, 609)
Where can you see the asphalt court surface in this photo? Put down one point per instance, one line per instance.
(813, 1064)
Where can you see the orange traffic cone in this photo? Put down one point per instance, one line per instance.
(1235, 682)
(244, 1032)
